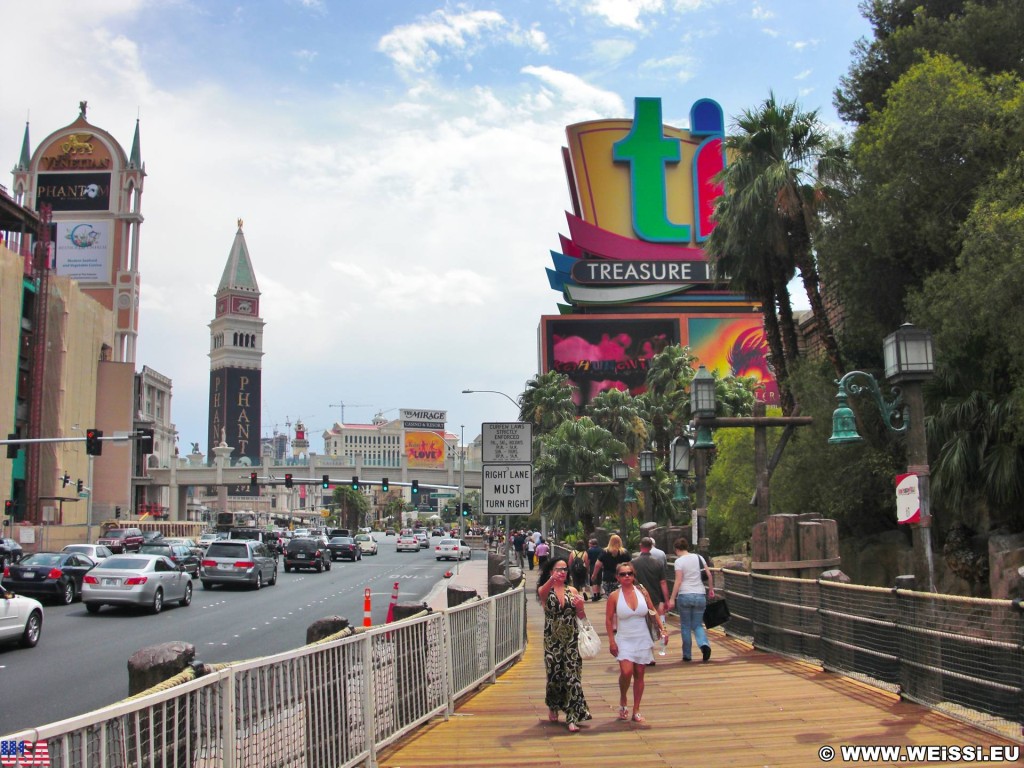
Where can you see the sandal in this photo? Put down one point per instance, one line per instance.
(553, 715)
(573, 728)
(638, 718)
(623, 713)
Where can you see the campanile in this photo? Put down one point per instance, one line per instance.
(236, 352)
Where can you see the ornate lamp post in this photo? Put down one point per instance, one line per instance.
(909, 360)
(702, 405)
(620, 474)
(647, 468)
(680, 457)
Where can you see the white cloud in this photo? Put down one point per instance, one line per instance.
(802, 45)
(610, 51)
(679, 67)
(760, 13)
(803, 75)
(421, 46)
(577, 93)
(624, 13)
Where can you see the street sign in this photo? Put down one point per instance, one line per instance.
(507, 489)
(442, 495)
(508, 442)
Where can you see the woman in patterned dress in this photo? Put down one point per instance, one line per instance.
(562, 662)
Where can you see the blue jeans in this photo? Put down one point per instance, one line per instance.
(690, 607)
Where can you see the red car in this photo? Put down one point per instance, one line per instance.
(120, 540)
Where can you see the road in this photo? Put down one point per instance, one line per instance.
(81, 661)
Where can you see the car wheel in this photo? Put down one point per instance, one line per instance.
(158, 601)
(328, 566)
(287, 569)
(187, 599)
(93, 607)
(319, 566)
(33, 629)
(273, 577)
(206, 584)
(259, 581)
(67, 595)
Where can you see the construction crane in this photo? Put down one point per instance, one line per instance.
(342, 405)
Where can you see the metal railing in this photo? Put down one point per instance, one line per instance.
(326, 705)
(959, 655)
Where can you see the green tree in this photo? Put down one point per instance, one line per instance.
(546, 403)
(351, 506)
(619, 412)
(577, 449)
(666, 404)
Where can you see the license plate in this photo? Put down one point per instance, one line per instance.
(225, 566)
(28, 575)
(111, 582)
(300, 557)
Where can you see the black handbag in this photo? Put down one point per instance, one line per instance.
(716, 612)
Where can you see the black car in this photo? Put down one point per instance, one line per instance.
(344, 548)
(183, 556)
(10, 552)
(306, 553)
(148, 537)
(49, 575)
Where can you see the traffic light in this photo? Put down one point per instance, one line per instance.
(288, 480)
(465, 509)
(65, 480)
(145, 440)
(8, 508)
(12, 449)
(384, 485)
(355, 483)
(93, 446)
(415, 487)
(253, 481)
(79, 486)
(117, 513)
(325, 482)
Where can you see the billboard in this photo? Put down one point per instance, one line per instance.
(424, 450)
(736, 346)
(74, 191)
(235, 417)
(82, 250)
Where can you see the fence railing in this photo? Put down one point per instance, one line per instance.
(959, 655)
(327, 705)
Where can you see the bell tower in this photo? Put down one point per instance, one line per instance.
(236, 360)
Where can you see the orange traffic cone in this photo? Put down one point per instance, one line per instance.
(367, 620)
(391, 606)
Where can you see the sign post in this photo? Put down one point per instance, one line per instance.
(506, 486)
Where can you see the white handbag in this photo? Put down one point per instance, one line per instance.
(589, 640)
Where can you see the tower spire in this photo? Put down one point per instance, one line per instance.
(135, 159)
(26, 154)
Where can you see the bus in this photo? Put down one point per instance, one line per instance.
(228, 520)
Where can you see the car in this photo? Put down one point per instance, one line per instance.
(406, 542)
(95, 552)
(49, 575)
(301, 532)
(21, 619)
(119, 540)
(136, 580)
(366, 543)
(190, 543)
(389, 531)
(270, 538)
(150, 536)
(437, 532)
(338, 532)
(344, 548)
(306, 553)
(453, 549)
(206, 539)
(182, 556)
(10, 552)
(421, 539)
(238, 561)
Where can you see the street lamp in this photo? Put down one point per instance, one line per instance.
(646, 459)
(620, 474)
(679, 451)
(492, 392)
(909, 360)
(702, 403)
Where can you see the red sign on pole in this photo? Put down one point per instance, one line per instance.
(908, 499)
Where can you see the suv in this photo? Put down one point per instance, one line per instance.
(238, 561)
(270, 538)
(10, 552)
(120, 540)
(338, 532)
(306, 553)
(181, 554)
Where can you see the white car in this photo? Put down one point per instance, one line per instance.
(366, 543)
(406, 542)
(21, 619)
(453, 549)
(421, 537)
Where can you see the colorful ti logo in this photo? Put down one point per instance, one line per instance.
(647, 151)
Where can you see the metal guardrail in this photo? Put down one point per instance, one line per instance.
(325, 705)
(961, 656)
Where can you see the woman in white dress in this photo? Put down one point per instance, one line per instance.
(629, 640)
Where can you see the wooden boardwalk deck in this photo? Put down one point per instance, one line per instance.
(743, 708)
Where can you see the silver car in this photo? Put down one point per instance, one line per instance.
(238, 561)
(146, 581)
(95, 551)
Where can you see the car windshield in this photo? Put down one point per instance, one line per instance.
(449, 543)
(124, 564)
(226, 549)
(341, 540)
(362, 537)
(83, 548)
(154, 549)
(116, 533)
(42, 558)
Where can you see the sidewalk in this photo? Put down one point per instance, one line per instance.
(744, 708)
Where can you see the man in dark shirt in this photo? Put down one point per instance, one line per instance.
(594, 553)
(518, 542)
(650, 574)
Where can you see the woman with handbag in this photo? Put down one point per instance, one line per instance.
(690, 598)
(562, 662)
(628, 617)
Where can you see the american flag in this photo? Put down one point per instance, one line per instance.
(24, 754)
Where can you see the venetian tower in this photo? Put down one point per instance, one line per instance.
(236, 352)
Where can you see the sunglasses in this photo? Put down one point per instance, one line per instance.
(625, 573)
(559, 570)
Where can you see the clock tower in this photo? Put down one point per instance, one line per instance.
(236, 353)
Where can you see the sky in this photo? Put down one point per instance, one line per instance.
(397, 165)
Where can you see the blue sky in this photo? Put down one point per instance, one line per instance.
(397, 165)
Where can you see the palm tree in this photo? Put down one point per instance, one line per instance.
(666, 403)
(784, 171)
(546, 402)
(577, 449)
(619, 412)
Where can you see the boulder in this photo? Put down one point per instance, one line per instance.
(154, 664)
(325, 627)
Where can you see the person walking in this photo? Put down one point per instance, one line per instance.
(593, 554)
(518, 544)
(650, 574)
(690, 598)
(562, 663)
(657, 553)
(604, 571)
(629, 640)
(531, 548)
(578, 570)
(542, 552)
